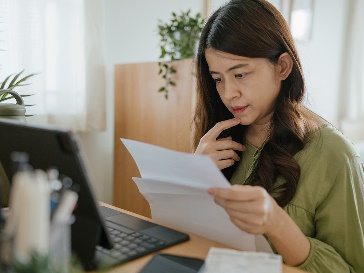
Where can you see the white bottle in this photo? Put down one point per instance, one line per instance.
(29, 210)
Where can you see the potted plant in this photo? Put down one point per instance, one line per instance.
(7, 92)
(178, 40)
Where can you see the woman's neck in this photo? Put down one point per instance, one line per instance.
(257, 134)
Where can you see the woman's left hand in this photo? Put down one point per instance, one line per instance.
(250, 208)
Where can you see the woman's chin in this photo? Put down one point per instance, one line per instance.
(244, 121)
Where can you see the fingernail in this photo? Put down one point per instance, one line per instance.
(211, 191)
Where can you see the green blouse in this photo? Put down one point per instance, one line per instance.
(329, 202)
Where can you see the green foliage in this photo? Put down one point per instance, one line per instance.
(178, 40)
(41, 263)
(36, 264)
(11, 82)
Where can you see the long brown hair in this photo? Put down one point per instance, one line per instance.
(255, 29)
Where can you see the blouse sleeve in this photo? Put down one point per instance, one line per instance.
(338, 246)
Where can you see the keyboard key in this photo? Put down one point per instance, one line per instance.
(124, 242)
(144, 238)
(137, 241)
(118, 255)
(129, 238)
(117, 246)
(152, 240)
(131, 253)
(140, 249)
(136, 234)
(106, 251)
(114, 232)
(132, 246)
(117, 239)
(120, 228)
(147, 246)
(124, 249)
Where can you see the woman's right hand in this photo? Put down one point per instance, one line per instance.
(222, 151)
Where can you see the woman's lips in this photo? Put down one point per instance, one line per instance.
(239, 109)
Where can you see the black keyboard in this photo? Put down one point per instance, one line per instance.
(132, 238)
(129, 244)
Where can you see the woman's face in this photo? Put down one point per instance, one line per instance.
(248, 87)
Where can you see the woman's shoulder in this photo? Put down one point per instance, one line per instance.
(326, 153)
(327, 141)
(325, 159)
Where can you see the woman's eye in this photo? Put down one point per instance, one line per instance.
(217, 80)
(240, 76)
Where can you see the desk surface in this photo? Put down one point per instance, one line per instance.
(197, 247)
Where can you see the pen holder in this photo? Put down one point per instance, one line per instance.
(60, 246)
(6, 252)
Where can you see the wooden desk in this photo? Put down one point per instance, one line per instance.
(197, 247)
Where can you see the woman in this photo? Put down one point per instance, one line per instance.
(296, 179)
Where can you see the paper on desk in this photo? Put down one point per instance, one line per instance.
(175, 185)
(220, 260)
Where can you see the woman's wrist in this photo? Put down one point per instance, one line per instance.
(288, 239)
(279, 222)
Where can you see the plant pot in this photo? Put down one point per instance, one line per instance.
(11, 110)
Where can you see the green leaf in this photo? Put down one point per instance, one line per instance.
(24, 79)
(15, 78)
(4, 82)
(24, 84)
(14, 83)
(161, 89)
(4, 97)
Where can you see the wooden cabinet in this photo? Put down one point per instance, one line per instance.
(143, 114)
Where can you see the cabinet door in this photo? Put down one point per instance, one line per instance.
(143, 114)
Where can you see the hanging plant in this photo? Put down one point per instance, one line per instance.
(178, 40)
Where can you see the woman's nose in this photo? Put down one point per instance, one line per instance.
(231, 90)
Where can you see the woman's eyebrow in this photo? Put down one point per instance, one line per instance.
(230, 69)
(236, 67)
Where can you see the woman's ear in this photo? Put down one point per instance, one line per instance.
(284, 66)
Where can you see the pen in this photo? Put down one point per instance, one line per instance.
(65, 207)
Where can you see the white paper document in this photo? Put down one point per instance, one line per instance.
(175, 185)
(221, 260)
